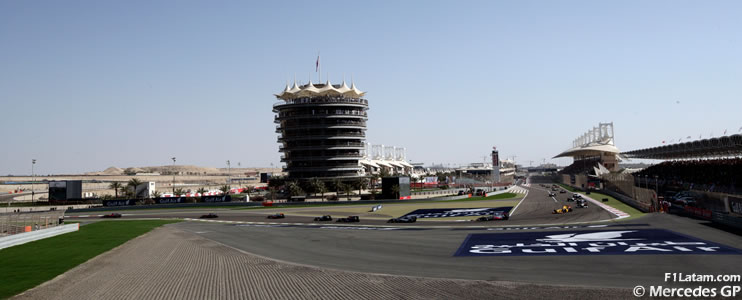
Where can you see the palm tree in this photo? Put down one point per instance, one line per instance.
(133, 183)
(294, 189)
(225, 189)
(360, 184)
(374, 181)
(321, 188)
(395, 190)
(179, 192)
(314, 184)
(115, 186)
(338, 186)
(272, 191)
(201, 191)
(156, 194)
(348, 189)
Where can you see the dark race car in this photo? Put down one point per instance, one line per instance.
(323, 218)
(495, 216)
(209, 216)
(111, 215)
(570, 199)
(552, 194)
(350, 219)
(562, 191)
(581, 203)
(276, 216)
(411, 219)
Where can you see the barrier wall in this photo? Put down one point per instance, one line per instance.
(253, 204)
(26, 237)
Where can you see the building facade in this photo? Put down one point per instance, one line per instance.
(322, 130)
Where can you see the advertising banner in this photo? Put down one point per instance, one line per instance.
(455, 212)
(591, 242)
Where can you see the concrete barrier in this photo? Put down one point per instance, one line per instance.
(22, 238)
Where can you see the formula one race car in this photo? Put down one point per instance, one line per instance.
(111, 215)
(571, 199)
(350, 219)
(209, 216)
(581, 203)
(495, 216)
(562, 191)
(276, 216)
(403, 219)
(565, 209)
(551, 194)
(323, 218)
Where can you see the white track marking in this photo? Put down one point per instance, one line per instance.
(512, 211)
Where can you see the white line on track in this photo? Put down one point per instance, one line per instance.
(554, 199)
(521, 201)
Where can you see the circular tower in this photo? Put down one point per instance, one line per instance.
(322, 130)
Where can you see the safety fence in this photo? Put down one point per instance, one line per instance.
(14, 223)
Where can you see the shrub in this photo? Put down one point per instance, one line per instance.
(332, 198)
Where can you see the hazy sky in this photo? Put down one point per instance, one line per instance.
(85, 85)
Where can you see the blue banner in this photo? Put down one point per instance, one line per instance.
(455, 212)
(589, 242)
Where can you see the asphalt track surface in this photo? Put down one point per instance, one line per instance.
(169, 263)
(426, 249)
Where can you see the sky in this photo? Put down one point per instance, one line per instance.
(85, 85)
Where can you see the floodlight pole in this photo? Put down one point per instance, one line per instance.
(657, 188)
(173, 176)
(33, 178)
(229, 170)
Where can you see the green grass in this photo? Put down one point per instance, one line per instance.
(25, 266)
(569, 188)
(612, 202)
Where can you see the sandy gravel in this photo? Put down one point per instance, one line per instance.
(168, 263)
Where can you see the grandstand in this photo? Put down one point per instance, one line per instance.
(725, 146)
(709, 165)
(594, 153)
(701, 178)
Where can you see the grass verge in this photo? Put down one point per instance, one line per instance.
(612, 202)
(25, 266)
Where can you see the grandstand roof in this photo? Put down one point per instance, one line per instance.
(327, 89)
(730, 145)
(592, 149)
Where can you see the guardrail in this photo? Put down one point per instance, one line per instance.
(726, 219)
(627, 200)
(16, 223)
(22, 238)
(258, 204)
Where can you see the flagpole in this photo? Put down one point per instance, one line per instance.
(319, 68)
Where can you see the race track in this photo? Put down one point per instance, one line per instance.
(427, 248)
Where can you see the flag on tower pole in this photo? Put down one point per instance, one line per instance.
(316, 65)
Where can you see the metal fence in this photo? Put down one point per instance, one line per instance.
(14, 223)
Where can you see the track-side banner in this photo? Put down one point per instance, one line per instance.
(455, 212)
(607, 242)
